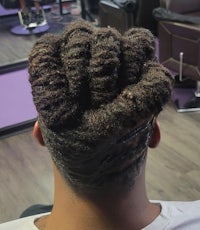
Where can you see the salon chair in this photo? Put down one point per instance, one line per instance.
(128, 13)
(179, 50)
(33, 27)
(89, 9)
(144, 17)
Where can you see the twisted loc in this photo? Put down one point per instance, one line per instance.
(97, 78)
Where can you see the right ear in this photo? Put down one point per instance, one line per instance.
(38, 134)
(155, 136)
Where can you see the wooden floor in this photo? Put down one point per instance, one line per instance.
(173, 169)
(25, 175)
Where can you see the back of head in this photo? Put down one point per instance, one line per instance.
(90, 87)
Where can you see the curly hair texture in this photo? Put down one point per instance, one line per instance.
(90, 86)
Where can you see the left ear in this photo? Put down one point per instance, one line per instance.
(38, 134)
(155, 136)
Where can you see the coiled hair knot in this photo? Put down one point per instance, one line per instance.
(89, 84)
(87, 68)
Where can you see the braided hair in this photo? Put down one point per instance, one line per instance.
(89, 86)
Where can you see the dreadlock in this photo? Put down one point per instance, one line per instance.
(89, 85)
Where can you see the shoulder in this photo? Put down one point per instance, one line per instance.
(184, 206)
(177, 215)
(187, 215)
(183, 209)
(22, 223)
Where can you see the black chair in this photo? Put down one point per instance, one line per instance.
(144, 16)
(33, 27)
(125, 14)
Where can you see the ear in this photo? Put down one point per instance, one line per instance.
(38, 134)
(155, 136)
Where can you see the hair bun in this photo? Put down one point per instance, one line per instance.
(97, 78)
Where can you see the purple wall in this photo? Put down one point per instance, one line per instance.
(16, 104)
(4, 12)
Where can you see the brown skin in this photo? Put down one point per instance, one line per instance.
(73, 212)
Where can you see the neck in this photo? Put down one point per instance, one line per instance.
(72, 212)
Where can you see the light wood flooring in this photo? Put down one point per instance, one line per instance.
(173, 169)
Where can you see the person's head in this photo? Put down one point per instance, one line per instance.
(97, 94)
